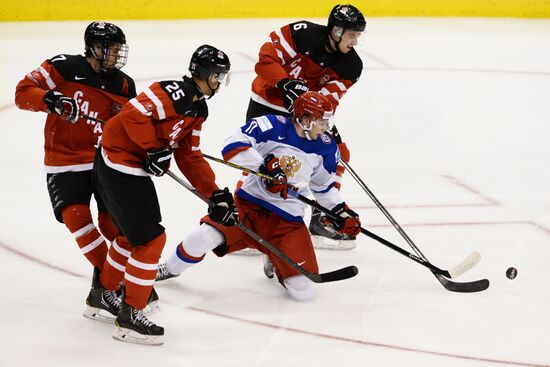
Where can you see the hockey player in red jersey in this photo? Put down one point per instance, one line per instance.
(65, 87)
(304, 56)
(165, 119)
(295, 151)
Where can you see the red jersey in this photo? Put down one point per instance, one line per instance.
(167, 113)
(297, 51)
(71, 147)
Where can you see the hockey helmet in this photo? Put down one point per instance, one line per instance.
(105, 35)
(208, 60)
(346, 17)
(313, 105)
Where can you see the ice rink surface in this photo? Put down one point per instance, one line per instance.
(448, 126)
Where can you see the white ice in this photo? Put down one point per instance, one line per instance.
(448, 126)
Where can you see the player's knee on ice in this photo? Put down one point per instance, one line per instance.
(300, 288)
(202, 239)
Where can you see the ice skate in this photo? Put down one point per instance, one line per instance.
(324, 236)
(269, 270)
(163, 273)
(134, 327)
(103, 304)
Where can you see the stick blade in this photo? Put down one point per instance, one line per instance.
(334, 276)
(467, 287)
(466, 264)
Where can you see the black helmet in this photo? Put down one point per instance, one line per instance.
(208, 60)
(105, 35)
(347, 17)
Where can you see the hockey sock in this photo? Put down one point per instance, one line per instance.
(192, 250)
(141, 271)
(107, 227)
(115, 263)
(78, 220)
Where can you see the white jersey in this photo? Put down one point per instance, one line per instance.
(309, 165)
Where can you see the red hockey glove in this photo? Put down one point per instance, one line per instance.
(350, 223)
(157, 162)
(272, 168)
(64, 106)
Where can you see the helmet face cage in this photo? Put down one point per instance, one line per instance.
(208, 60)
(105, 41)
(346, 17)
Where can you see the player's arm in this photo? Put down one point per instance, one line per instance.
(335, 89)
(323, 187)
(276, 52)
(38, 91)
(139, 113)
(240, 148)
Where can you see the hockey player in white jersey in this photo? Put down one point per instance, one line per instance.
(298, 154)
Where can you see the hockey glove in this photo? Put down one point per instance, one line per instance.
(223, 210)
(272, 168)
(350, 223)
(291, 88)
(64, 106)
(157, 162)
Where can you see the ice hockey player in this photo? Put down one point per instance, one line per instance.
(295, 151)
(304, 56)
(65, 87)
(165, 119)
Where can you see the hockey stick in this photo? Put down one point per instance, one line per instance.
(456, 271)
(467, 287)
(91, 118)
(340, 274)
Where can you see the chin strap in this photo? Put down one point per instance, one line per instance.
(306, 129)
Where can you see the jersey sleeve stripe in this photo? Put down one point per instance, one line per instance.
(196, 132)
(280, 54)
(326, 92)
(285, 44)
(339, 84)
(134, 102)
(29, 75)
(160, 107)
(48, 78)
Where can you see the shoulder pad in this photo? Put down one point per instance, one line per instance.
(348, 66)
(307, 36)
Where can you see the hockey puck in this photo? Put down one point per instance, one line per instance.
(511, 273)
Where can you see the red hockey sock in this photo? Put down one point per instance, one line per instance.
(107, 227)
(78, 220)
(141, 271)
(115, 263)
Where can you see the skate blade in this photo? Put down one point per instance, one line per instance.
(247, 252)
(130, 336)
(151, 308)
(98, 314)
(325, 243)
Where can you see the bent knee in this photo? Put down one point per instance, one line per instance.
(300, 288)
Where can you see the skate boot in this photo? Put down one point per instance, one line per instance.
(163, 273)
(103, 304)
(324, 236)
(134, 327)
(153, 305)
(269, 271)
